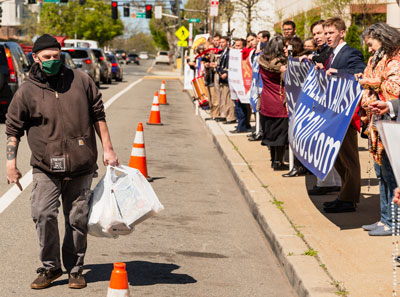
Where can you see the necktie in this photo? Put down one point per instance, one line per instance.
(330, 59)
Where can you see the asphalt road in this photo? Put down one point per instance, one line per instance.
(205, 242)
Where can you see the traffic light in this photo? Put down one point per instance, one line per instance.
(31, 1)
(126, 10)
(82, 2)
(1, 13)
(149, 11)
(63, 1)
(114, 10)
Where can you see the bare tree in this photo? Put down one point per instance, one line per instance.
(227, 11)
(246, 8)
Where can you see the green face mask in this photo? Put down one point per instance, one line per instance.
(51, 67)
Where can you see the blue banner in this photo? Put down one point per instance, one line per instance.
(295, 77)
(322, 115)
(255, 90)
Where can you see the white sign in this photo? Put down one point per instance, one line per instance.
(158, 12)
(214, 8)
(238, 73)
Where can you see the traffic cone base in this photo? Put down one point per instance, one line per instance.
(118, 282)
(162, 99)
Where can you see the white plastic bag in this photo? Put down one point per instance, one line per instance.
(122, 199)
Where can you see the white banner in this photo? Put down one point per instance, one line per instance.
(189, 76)
(239, 75)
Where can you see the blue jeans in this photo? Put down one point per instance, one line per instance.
(387, 184)
(242, 116)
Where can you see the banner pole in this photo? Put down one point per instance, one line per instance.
(291, 158)
(257, 113)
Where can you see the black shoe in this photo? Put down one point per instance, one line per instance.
(296, 171)
(330, 203)
(257, 137)
(45, 278)
(238, 132)
(220, 119)
(229, 122)
(341, 206)
(323, 190)
(279, 166)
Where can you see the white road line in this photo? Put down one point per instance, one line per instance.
(26, 180)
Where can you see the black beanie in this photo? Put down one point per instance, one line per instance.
(45, 41)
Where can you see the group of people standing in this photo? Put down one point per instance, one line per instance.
(327, 50)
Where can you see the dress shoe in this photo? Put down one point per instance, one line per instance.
(330, 203)
(279, 166)
(381, 231)
(220, 119)
(371, 226)
(341, 206)
(257, 137)
(238, 132)
(229, 122)
(323, 190)
(296, 171)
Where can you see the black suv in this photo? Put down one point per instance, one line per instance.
(14, 68)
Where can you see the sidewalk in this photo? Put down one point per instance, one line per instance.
(322, 254)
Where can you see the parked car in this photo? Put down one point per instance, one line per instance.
(14, 68)
(133, 58)
(120, 55)
(65, 59)
(143, 55)
(163, 57)
(117, 71)
(105, 65)
(85, 59)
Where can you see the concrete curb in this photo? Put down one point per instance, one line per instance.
(305, 273)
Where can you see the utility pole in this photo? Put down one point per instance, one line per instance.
(178, 10)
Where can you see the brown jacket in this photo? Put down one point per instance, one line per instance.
(58, 121)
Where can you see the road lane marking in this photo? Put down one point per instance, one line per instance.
(151, 66)
(26, 180)
(162, 77)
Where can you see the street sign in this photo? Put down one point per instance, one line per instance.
(139, 15)
(51, 1)
(182, 33)
(214, 8)
(158, 12)
(182, 43)
(194, 20)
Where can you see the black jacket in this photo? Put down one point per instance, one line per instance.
(58, 119)
(223, 65)
(322, 55)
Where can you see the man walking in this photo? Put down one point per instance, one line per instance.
(59, 109)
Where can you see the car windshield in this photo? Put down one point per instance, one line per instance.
(163, 54)
(3, 59)
(111, 59)
(132, 55)
(97, 53)
(77, 54)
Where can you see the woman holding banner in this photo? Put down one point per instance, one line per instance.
(274, 116)
(381, 80)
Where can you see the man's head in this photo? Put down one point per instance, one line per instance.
(240, 43)
(335, 31)
(318, 33)
(46, 51)
(289, 29)
(263, 36)
(224, 41)
(216, 40)
(251, 40)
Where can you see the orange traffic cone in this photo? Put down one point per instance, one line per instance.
(163, 95)
(155, 117)
(118, 282)
(138, 154)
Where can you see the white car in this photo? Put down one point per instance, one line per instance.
(143, 55)
(163, 57)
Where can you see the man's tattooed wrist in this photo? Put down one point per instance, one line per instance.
(12, 147)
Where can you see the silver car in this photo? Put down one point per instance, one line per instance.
(85, 59)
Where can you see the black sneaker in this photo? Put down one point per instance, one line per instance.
(76, 281)
(45, 278)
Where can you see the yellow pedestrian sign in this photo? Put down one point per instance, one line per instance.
(182, 43)
(182, 33)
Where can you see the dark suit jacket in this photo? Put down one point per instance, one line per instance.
(349, 61)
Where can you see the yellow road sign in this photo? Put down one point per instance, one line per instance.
(182, 43)
(182, 33)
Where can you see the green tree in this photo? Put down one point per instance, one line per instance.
(159, 34)
(353, 39)
(90, 21)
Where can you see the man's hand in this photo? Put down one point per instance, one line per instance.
(213, 64)
(379, 107)
(302, 58)
(331, 71)
(224, 76)
(396, 198)
(283, 68)
(358, 76)
(110, 158)
(13, 176)
(319, 66)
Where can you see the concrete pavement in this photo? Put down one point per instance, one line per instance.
(322, 254)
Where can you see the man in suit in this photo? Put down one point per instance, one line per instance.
(345, 60)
